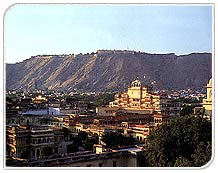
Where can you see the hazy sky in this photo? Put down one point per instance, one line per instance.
(59, 29)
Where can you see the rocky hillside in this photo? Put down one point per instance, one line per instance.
(110, 70)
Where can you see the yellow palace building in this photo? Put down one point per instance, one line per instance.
(207, 102)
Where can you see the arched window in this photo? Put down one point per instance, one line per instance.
(44, 140)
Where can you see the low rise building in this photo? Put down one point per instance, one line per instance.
(139, 132)
(33, 142)
(17, 141)
(48, 111)
(139, 98)
(41, 141)
(128, 157)
(39, 99)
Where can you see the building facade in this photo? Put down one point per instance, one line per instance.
(17, 141)
(130, 157)
(207, 102)
(141, 98)
(33, 142)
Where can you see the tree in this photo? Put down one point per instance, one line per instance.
(183, 162)
(104, 99)
(88, 146)
(110, 139)
(82, 136)
(25, 154)
(116, 140)
(178, 143)
(47, 151)
(187, 110)
(202, 154)
(66, 132)
(72, 148)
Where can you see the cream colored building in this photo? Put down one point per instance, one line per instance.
(207, 103)
(137, 97)
(141, 98)
(29, 141)
(139, 132)
(39, 99)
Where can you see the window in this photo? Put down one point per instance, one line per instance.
(89, 165)
(100, 165)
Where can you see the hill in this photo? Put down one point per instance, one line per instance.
(110, 70)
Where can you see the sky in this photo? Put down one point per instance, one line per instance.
(31, 30)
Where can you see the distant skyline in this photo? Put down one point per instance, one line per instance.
(84, 28)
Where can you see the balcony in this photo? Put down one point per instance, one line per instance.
(42, 144)
(42, 135)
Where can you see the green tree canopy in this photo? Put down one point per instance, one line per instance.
(116, 140)
(104, 99)
(184, 141)
(47, 151)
